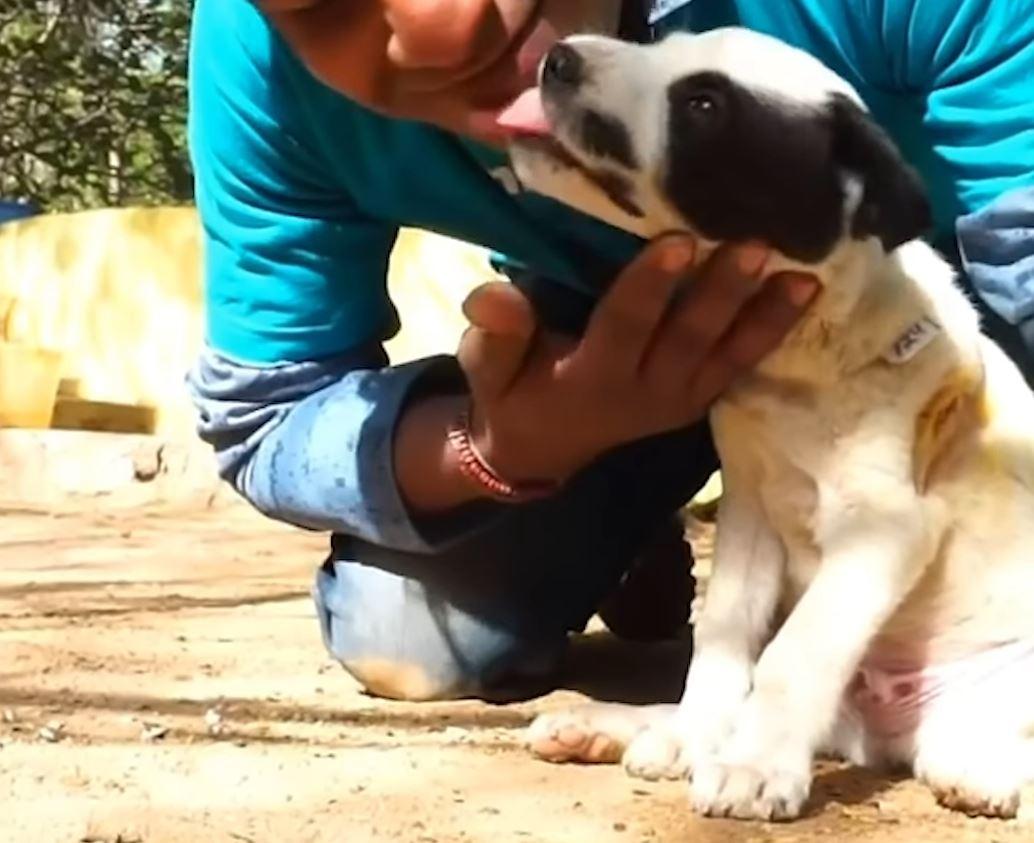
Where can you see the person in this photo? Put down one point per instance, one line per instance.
(484, 505)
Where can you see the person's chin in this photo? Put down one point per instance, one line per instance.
(481, 122)
(481, 125)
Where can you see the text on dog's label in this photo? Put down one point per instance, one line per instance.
(917, 336)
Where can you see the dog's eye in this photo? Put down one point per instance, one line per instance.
(701, 103)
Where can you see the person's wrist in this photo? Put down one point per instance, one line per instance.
(438, 465)
(477, 464)
(523, 460)
(427, 468)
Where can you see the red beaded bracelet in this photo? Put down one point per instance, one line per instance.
(475, 467)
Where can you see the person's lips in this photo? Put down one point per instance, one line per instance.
(523, 115)
(525, 57)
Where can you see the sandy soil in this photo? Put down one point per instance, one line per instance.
(161, 679)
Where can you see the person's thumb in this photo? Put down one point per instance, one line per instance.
(494, 347)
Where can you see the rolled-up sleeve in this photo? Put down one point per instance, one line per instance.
(311, 444)
(330, 464)
(996, 245)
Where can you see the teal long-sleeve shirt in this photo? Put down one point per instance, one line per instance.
(301, 191)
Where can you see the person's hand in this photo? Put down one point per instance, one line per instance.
(453, 63)
(664, 342)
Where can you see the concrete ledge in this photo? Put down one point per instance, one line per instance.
(48, 468)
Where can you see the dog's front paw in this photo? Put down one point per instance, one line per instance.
(755, 791)
(657, 753)
(673, 749)
(975, 800)
(985, 784)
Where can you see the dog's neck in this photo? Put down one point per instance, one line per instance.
(873, 306)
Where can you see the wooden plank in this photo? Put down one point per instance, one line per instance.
(83, 414)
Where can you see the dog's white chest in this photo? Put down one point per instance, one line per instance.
(776, 438)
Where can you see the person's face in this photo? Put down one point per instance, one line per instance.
(453, 63)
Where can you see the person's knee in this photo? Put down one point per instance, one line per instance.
(388, 644)
(402, 639)
(427, 667)
(409, 681)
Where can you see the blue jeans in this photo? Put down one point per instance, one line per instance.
(443, 607)
(496, 606)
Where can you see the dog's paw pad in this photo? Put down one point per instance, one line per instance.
(573, 736)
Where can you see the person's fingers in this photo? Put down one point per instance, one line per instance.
(704, 312)
(757, 331)
(625, 321)
(493, 348)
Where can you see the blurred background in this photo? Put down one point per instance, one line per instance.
(100, 292)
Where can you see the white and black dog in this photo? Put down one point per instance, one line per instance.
(873, 589)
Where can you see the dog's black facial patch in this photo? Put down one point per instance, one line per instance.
(743, 168)
(607, 137)
(894, 205)
(614, 186)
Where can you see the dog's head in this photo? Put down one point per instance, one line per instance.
(729, 134)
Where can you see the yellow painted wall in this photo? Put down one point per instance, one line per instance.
(118, 291)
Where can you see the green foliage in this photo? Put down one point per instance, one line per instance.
(93, 102)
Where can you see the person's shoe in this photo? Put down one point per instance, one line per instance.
(653, 601)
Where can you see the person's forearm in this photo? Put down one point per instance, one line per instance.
(427, 469)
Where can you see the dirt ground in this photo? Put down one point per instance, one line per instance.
(162, 680)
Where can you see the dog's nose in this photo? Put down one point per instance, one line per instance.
(563, 66)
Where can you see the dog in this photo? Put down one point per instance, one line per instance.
(873, 588)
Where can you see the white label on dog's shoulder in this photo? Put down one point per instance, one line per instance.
(917, 336)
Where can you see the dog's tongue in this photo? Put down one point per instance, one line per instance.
(525, 115)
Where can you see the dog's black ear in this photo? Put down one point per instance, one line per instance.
(893, 206)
